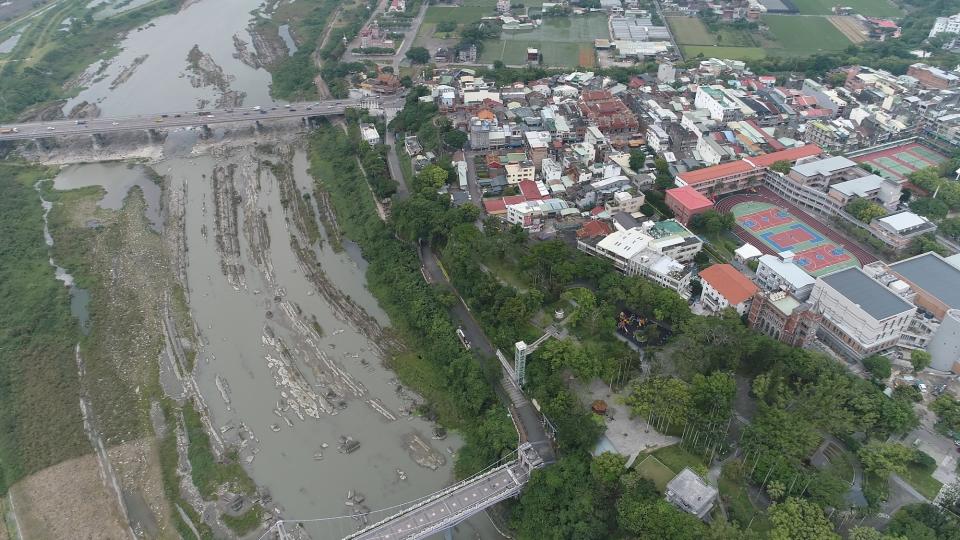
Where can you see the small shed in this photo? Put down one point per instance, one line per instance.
(690, 493)
(745, 253)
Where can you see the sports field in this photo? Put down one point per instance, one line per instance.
(778, 230)
(870, 8)
(563, 41)
(898, 162)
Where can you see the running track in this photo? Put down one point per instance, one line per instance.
(763, 194)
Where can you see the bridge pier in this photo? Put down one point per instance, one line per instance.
(44, 144)
(99, 140)
(155, 135)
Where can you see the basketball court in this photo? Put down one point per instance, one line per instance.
(774, 229)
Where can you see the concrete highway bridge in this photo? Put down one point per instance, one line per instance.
(153, 123)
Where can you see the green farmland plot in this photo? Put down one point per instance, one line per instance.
(563, 41)
(801, 36)
(788, 35)
(692, 31)
(870, 8)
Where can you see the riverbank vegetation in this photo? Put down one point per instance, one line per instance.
(459, 394)
(293, 77)
(208, 473)
(40, 422)
(53, 56)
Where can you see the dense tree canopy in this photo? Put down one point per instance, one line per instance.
(884, 459)
(878, 366)
(865, 210)
(924, 522)
(418, 55)
(797, 519)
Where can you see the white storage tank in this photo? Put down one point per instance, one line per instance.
(944, 347)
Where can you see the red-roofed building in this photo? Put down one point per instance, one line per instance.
(494, 206)
(608, 113)
(742, 174)
(499, 206)
(594, 229)
(790, 154)
(721, 178)
(724, 286)
(529, 189)
(686, 202)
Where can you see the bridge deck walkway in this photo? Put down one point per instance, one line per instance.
(451, 508)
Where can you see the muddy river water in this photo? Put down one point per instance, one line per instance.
(283, 372)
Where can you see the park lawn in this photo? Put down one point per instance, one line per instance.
(870, 8)
(739, 507)
(922, 481)
(692, 31)
(655, 471)
(733, 53)
(802, 36)
(677, 458)
(506, 272)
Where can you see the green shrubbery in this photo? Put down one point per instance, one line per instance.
(40, 422)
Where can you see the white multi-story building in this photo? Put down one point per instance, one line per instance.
(519, 171)
(649, 252)
(657, 139)
(781, 274)
(900, 229)
(946, 25)
(860, 316)
(531, 214)
(715, 100)
(711, 152)
(625, 202)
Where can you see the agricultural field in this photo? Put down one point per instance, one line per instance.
(801, 36)
(870, 8)
(562, 41)
(789, 35)
(470, 11)
(692, 31)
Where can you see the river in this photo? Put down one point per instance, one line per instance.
(277, 361)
